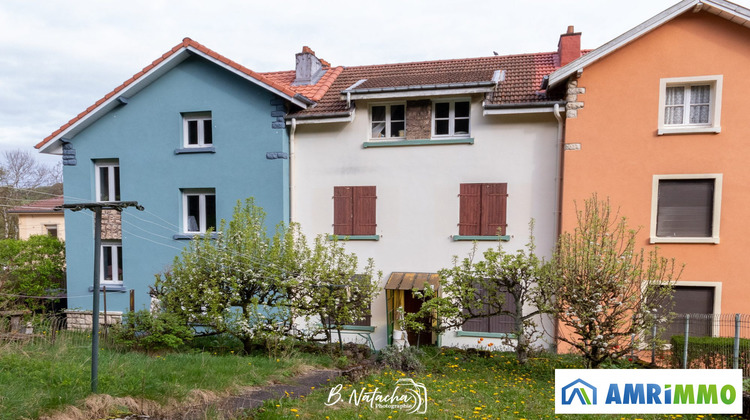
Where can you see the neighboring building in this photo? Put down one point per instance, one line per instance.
(411, 163)
(40, 218)
(186, 138)
(656, 122)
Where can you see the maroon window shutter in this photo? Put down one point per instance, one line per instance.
(364, 211)
(470, 208)
(494, 200)
(342, 211)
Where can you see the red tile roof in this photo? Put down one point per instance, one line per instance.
(41, 206)
(523, 78)
(314, 92)
(186, 43)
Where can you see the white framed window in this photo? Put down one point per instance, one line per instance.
(451, 118)
(686, 208)
(388, 121)
(107, 181)
(690, 105)
(111, 263)
(197, 129)
(198, 210)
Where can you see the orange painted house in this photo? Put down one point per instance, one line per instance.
(658, 121)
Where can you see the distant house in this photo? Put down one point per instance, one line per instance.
(40, 218)
(187, 137)
(411, 163)
(656, 121)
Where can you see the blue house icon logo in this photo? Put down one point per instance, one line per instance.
(578, 388)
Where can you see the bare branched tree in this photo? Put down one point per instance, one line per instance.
(603, 288)
(21, 180)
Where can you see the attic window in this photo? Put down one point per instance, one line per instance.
(197, 129)
(451, 118)
(388, 121)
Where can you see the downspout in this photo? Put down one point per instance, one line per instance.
(558, 171)
(558, 194)
(291, 168)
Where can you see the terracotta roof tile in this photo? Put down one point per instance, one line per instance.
(41, 206)
(186, 43)
(523, 78)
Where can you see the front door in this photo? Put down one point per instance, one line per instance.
(412, 305)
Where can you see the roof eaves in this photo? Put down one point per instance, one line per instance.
(420, 90)
(566, 71)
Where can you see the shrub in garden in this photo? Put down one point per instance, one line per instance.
(146, 331)
(709, 353)
(406, 359)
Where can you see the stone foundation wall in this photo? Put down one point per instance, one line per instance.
(83, 320)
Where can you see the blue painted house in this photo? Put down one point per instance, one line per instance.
(187, 137)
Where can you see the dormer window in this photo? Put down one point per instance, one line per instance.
(388, 121)
(451, 118)
(197, 129)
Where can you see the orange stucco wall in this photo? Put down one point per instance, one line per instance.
(621, 151)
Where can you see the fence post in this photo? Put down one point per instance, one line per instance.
(653, 345)
(736, 359)
(687, 336)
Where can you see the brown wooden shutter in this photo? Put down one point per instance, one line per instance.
(343, 214)
(470, 204)
(494, 200)
(364, 211)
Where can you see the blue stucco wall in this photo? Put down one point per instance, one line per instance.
(143, 135)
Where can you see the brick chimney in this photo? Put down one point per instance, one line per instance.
(309, 69)
(569, 47)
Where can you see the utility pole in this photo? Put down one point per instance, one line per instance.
(97, 209)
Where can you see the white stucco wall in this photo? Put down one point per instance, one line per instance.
(417, 191)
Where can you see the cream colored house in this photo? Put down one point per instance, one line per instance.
(40, 218)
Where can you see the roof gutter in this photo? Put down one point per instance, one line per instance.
(522, 108)
(328, 117)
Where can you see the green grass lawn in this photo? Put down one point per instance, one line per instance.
(459, 386)
(40, 378)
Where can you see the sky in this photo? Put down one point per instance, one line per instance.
(59, 57)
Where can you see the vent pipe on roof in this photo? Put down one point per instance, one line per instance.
(309, 69)
(569, 46)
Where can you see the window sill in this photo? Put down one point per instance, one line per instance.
(406, 143)
(189, 236)
(187, 150)
(481, 238)
(688, 130)
(484, 334)
(684, 240)
(117, 288)
(354, 237)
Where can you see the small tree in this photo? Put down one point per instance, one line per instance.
(332, 288)
(480, 289)
(252, 286)
(602, 287)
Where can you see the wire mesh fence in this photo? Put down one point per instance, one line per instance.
(23, 328)
(703, 341)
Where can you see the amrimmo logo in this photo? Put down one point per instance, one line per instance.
(578, 389)
(654, 391)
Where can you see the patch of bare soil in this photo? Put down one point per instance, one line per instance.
(197, 404)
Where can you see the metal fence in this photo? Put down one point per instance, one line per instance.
(703, 341)
(23, 329)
